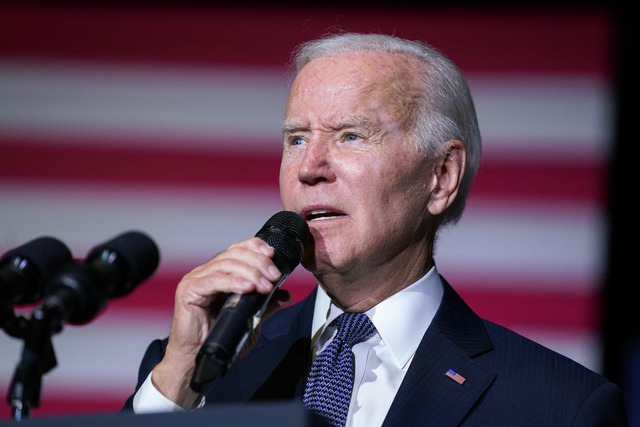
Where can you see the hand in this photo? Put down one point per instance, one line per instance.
(244, 267)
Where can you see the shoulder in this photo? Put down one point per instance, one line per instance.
(528, 357)
(531, 383)
(539, 379)
(517, 361)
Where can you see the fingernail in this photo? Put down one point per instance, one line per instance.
(266, 285)
(273, 271)
(266, 249)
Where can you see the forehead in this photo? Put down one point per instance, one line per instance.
(356, 65)
(357, 78)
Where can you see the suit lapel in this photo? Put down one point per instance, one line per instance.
(278, 363)
(427, 394)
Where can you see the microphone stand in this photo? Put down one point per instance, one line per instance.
(38, 358)
(116, 267)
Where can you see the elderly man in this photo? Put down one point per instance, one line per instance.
(381, 144)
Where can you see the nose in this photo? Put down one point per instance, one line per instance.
(316, 163)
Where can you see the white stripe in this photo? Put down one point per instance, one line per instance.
(102, 355)
(561, 115)
(189, 227)
(108, 102)
(547, 115)
(551, 242)
(505, 242)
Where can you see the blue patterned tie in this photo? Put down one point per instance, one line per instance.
(328, 390)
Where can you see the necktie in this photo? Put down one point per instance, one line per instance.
(328, 390)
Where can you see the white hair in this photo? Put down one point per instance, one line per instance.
(445, 110)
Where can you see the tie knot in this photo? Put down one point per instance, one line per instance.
(353, 327)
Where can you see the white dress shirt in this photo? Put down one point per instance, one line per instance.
(380, 362)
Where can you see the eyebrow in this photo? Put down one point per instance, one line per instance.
(290, 127)
(356, 122)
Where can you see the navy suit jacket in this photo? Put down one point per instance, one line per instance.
(509, 380)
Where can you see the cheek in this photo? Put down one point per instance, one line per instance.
(402, 187)
(391, 179)
(287, 179)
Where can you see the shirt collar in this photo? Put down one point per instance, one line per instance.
(401, 320)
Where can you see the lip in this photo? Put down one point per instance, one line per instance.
(321, 212)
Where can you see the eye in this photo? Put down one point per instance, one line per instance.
(296, 140)
(350, 137)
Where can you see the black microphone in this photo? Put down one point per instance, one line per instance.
(112, 269)
(287, 233)
(23, 270)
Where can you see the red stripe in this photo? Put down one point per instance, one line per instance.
(573, 181)
(68, 403)
(577, 181)
(562, 308)
(577, 40)
(138, 166)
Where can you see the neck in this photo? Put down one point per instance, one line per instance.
(358, 290)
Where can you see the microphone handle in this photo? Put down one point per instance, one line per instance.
(237, 319)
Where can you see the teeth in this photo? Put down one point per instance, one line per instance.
(320, 214)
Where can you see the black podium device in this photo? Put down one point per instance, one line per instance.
(289, 414)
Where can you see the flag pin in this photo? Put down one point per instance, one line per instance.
(455, 376)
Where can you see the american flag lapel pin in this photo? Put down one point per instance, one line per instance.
(455, 376)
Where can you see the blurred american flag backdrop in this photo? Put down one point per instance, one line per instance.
(166, 119)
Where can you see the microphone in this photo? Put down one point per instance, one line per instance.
(23, 272)
(75, 294)
(287, 233)
(111, 269)
(24, 269)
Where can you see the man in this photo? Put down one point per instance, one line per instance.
(381, 144)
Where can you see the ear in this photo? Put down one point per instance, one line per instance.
(447, 176)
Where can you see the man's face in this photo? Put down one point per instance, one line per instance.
(350, 165)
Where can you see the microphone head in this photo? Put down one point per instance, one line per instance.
(135, 251)
(287, 233)
(33, 262)
(112, 269)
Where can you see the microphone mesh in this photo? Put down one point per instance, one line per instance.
(287, 233)
(137, 250)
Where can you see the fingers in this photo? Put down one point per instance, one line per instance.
(244, 267)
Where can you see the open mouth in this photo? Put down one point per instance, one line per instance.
(321, 214)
